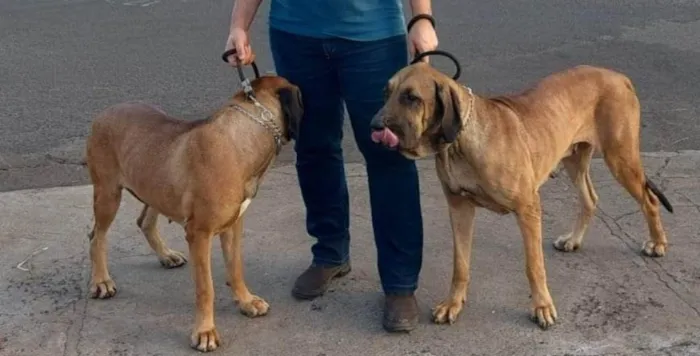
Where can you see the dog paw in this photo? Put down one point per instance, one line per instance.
(544, 316)
(172, 259)
(653, 249)
(205, 341)
(256, 306)
(446, 312)
(103, 290)
(566, 243)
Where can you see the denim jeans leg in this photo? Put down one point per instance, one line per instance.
(321, 173)
(364, 69)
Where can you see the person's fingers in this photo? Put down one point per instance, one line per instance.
(251, 56)
(422, 49)
(411, 49)
(240, 50)
(229, 46)
(247, 52)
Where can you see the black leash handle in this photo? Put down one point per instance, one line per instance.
(420, 56)
(245, 82)
(232, 51)
(458, 66)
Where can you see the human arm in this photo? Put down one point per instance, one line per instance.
(421, 7)
(242, 17)
(421, 36)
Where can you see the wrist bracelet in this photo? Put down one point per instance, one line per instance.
(418, 18)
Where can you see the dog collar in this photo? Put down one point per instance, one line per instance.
(264, 119)
(471, 102)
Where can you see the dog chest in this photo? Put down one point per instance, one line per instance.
(461, 178)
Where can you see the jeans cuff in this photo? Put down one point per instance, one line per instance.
(402, 290)
(329, 263)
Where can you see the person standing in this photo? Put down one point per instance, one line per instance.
(343, 52)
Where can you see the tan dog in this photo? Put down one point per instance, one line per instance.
(495, 153)
(201, 174)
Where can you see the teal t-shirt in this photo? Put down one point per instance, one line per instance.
(359, 20)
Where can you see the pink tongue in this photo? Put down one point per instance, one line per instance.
(386, 137)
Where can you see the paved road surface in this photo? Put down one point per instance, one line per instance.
(62, 60)
(611, 301)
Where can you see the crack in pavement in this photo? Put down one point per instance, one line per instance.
(663, 181)
(81, 327)
(605, 218)
(620, 217)
(663, 167)
(694, 204)
(75, 331)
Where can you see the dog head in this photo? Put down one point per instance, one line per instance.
(292, 109)
(422, 112)
(290, 101)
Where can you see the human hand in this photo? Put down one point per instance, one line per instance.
(238, 39)
(421, 38)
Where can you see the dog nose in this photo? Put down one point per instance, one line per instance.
(377, 123)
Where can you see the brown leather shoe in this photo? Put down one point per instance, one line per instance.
(400, 313)
(316, 279)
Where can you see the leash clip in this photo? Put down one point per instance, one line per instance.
(245, 82)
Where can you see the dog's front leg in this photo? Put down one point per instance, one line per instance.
(204, 336)
(530, 222)
(462, 213)
(250, 305)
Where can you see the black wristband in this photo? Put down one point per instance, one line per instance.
(418, 18)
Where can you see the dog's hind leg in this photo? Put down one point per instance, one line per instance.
(626, 166)
(148, 223)
(106, 200)
(578, 168)
(250, 305)
(618, 129)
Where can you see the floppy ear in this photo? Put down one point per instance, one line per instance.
(448, 109)
(292, 109)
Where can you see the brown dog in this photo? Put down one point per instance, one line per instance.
(495, 153)
(201, 174)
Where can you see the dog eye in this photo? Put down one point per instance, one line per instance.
(409, 97)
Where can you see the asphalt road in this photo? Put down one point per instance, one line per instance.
(63, 60)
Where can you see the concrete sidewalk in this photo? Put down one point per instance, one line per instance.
(611, 301)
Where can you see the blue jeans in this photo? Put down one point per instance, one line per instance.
(331, 72)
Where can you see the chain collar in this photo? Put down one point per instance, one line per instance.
(471, 103)
(265, 119)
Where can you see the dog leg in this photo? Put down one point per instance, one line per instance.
(204, 336)
(106, 200)
(626, 167)
(462, 214)
(530, 221)
(578, 168)
(148, 223)
(250, 305)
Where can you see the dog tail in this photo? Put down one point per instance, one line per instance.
(655, 190)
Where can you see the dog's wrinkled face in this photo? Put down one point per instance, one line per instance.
(290, 100)
(421, 113)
